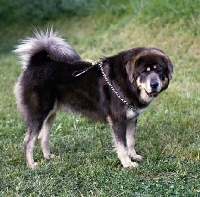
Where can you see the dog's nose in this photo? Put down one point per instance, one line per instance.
(154, 84)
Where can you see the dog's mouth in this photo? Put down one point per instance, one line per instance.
(152, 94)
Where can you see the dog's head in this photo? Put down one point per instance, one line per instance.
(151, 69)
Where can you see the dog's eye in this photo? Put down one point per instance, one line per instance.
(159, 70)
(146, 70)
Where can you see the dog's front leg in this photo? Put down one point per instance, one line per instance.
(130, 138)
(119, 132)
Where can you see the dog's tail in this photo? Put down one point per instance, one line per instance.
(48, 41)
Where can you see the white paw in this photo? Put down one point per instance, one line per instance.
(131, 165)
(32, 165)
(137, 157)
(51, 156)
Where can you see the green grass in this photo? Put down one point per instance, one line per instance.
(86, 165)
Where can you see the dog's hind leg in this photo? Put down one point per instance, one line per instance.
(44, 136)
(34, 126)
(29, 143)
(130, 138)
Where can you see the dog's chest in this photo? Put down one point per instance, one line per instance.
(130, 114)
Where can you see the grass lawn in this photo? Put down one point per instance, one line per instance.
(86, 165)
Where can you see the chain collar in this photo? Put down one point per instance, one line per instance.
(131, 107)
(80, 72)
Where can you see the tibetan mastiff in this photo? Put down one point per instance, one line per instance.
(116, 90)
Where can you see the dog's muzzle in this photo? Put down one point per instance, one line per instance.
(154, 92)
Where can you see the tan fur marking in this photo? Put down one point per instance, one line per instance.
(130, 132)
(44, 136)
(109, 120)
(29, 151)
(143, 93)
(123, 156)
(164, 82)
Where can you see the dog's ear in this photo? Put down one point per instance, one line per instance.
(133, 62)
(131, 66)
(165, 83)
(168, 62)
(168, 74)
(170, 67)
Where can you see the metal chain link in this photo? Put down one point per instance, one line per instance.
(113, 89)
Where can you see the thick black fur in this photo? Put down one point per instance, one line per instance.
(47, 85)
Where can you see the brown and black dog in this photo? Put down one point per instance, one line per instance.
(116, 90)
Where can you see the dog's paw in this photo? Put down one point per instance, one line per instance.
(131, 165)
(137, 157)
(32, 165)
(51, 156)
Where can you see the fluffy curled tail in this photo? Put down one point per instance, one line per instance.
(49, 41)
